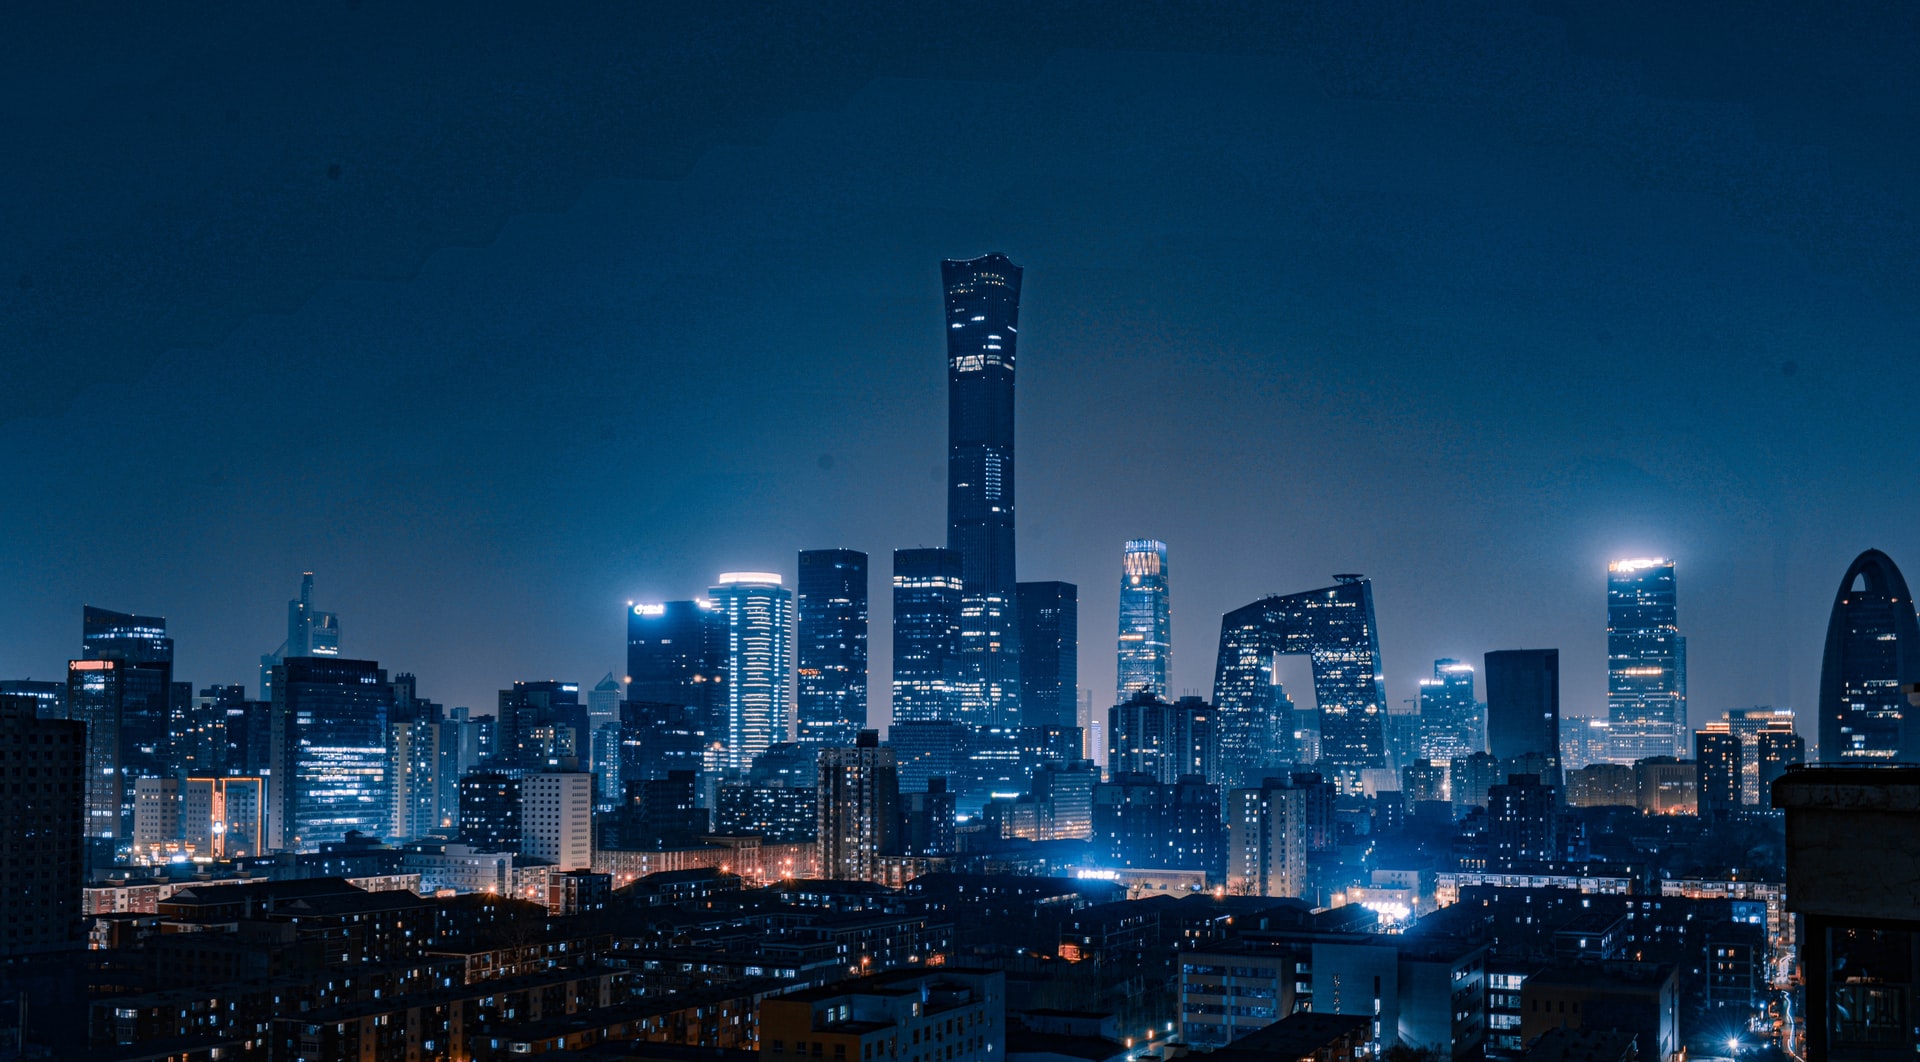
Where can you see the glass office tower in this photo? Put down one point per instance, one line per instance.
(331, 769)
(1646, 661)
(983, 326)
(1523, 706)
(1146, 620)
(927, 590)
(830, 637)
(759, 617)
(1873, 648)
(1049, 654)
(1450, 723)
(1334, 627)
(122, 688)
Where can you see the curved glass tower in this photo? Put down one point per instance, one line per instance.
(1332, 626)
(983, 326)
(1146, 621)
(1873, 647)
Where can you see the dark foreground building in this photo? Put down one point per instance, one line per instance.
(1853, 876)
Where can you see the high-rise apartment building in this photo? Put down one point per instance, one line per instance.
(830, 639)
(983, 330)
(43, 857)
(1522, 822)
(416, 763)
(1646, 661)
(1873, 649)
(927, 592)
(1140, 822)
(1167, 741)
(556, 818)
(539, 724)
(1266, 840)
(1523, 707)
(1450, 720)
(1049, 653)
(859, 796)
(490, 812)
(331, 768)
(759, 625)
(1774, 752)
(1719, 759)
(310, 632)
(1335, 628)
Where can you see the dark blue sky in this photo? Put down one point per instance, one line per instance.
(499, 320)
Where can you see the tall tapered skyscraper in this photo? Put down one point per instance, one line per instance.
(830, 636)
(1646, 661)
(1146, 619)
(983, 325)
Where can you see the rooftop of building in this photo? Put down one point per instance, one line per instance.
(1294, 1036)
(1606, 975)
(1563, 1044)
(1849, 787)
(889, 983)
(1091, 1048)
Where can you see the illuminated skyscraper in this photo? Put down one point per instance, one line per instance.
(1049, 653)
(927, 590)
(1873, 648)
(1450, 723)
(1146, 619)
(1332, 626)
(1646, 661)
(983, 326)
(123, 689)
(331, 768)
(759, 616)
(830, 700)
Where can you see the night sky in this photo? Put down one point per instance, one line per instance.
(498, 320)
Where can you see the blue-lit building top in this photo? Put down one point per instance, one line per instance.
(1334, 628)
(676, 653)
(830, 636)
(1646, 661)
(927, 589)
(759, 618)
(1146, 620)
(331, 768)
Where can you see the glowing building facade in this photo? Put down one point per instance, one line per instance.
(1333, 627)
(331, 769)
(759, 625)
(1146, 620)
(1646, 661)
(983, 329)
